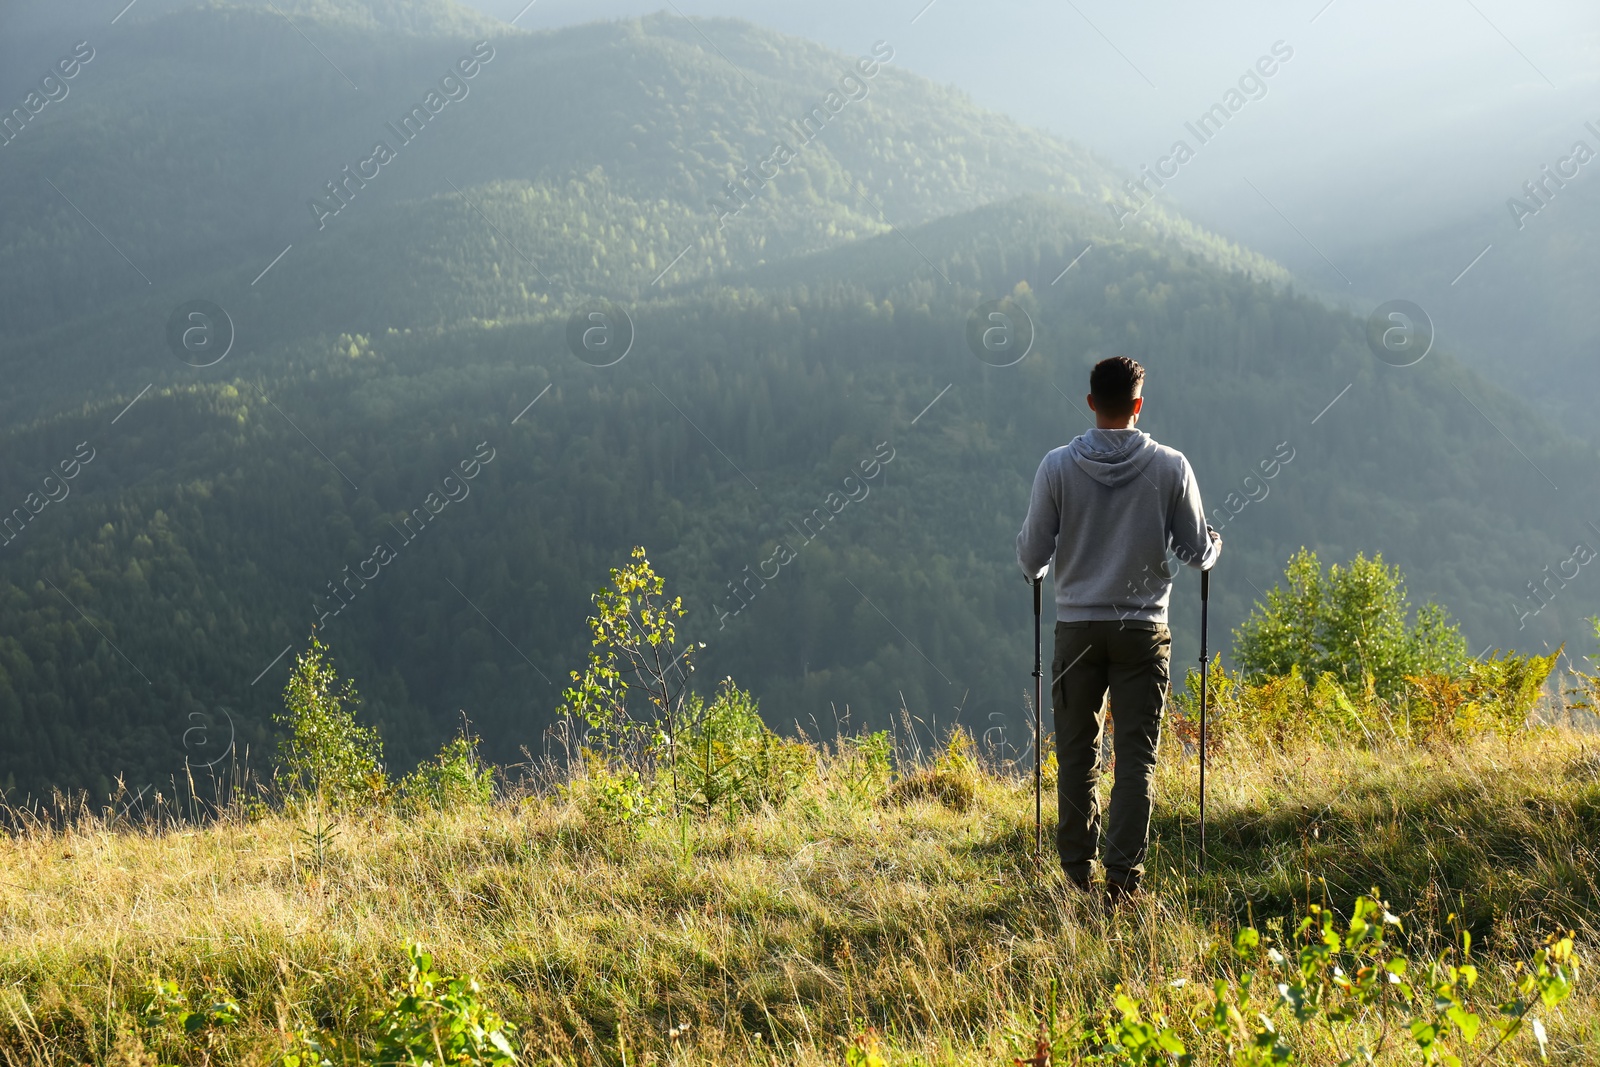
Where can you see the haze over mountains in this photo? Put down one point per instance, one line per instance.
(401, 443)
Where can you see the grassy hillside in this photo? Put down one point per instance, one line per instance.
(907, 919)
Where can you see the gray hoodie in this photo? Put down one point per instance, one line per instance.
(1109, 507)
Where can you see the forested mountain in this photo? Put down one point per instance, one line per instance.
(1523, 313)
(811, 335)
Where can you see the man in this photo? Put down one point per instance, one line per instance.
(1109, 507)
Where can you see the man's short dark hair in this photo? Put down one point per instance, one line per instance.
(1114, 383)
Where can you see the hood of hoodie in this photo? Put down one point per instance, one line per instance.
(1113, 457)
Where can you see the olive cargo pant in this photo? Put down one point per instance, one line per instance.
(1131, 660)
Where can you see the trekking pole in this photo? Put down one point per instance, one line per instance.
(1205, 598)
(1038, 727)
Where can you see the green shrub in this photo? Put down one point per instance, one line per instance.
(1494, 695)
(1350, 622)
(729, 757)
(436, 1019)
(456, 776)
(327, 755)
(611, 793)
(1281, 711)
(646, 730)
(1587, 689)
(631, 693)
(432, 1020)
(173, 1024)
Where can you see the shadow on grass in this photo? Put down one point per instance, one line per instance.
(1509, 857)
(1496, 860)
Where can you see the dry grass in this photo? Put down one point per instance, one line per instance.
(776, 935)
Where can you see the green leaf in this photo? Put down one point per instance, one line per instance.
(1466, 1022)
(1554, 990)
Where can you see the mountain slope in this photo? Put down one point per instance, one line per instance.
(1516, 301)
(210, 531)
(186, 182)
(146, 615)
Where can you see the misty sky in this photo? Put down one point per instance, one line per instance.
(1389, 119)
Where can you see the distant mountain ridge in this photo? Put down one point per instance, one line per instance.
(416, 18)
(896, 148)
